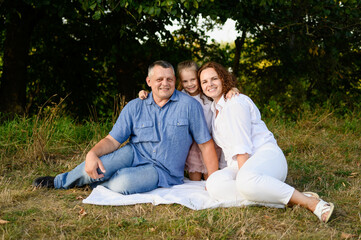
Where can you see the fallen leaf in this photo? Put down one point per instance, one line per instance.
(347, 235)
(82, 212)
(79, 198)
(3, 221)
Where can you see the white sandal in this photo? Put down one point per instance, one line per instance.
(311, 194)
(323, 207)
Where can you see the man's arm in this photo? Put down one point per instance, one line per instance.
(92, 160)
(209, 156)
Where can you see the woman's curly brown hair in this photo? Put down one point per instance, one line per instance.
(228, 80)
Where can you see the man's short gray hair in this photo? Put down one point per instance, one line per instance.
(162, 63)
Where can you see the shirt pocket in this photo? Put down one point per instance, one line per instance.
(178, 130)
(179, 122)
(144, 131)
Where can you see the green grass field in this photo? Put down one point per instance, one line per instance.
(323, 152)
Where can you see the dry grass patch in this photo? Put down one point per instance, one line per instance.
(323, 152)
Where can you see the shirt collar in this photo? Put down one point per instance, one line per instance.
(149, 100)
(184, 91)
(218, 106)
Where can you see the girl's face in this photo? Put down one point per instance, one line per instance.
(189, 81)
(211, 84)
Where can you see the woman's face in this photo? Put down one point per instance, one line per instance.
(189, 81)
(211, 84)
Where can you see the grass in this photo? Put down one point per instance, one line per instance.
(323, 152)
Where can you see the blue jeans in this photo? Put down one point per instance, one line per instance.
(120, 176)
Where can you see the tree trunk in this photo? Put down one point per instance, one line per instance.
(16, 48)
(239, 44)
(126, 85)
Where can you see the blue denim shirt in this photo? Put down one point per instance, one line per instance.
(162, 135)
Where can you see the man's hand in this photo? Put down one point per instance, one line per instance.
(92, 163)
(143, 94)
(92, 160)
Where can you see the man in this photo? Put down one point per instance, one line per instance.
(160, 131)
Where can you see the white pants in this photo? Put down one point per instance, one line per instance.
(260, 179)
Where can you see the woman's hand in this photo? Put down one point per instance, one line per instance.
(241, 159)
(143, 94)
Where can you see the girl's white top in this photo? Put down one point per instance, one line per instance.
(238, 127)
(206, 105)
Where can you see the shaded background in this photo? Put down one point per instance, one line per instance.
(289, 56)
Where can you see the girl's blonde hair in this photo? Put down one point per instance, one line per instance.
(191, 65)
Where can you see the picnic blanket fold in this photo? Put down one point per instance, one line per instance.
(191, 194)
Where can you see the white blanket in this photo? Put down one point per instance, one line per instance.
(191, 194)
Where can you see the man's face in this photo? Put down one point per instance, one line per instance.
(162, 83)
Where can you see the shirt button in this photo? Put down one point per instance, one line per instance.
(154, 151)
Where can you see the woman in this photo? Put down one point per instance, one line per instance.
(256, 166)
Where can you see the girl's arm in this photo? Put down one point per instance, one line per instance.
(233, 92)
(143, 94)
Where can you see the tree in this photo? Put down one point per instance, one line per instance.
(81, 41)
(90, 50)
(312, 49)
(19, 21)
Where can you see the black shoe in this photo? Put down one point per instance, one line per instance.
(46, 181)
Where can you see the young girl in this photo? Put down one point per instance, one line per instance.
(187, 74)
(256, 166)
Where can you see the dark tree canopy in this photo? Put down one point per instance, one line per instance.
(288, 53)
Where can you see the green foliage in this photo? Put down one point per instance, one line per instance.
(137, 10)
(296, 54)
(41, 137)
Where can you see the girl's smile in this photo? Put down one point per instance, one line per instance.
(189, 81)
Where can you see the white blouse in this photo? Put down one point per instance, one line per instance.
(238, 127)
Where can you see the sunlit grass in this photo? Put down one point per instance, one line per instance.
(323, 151)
